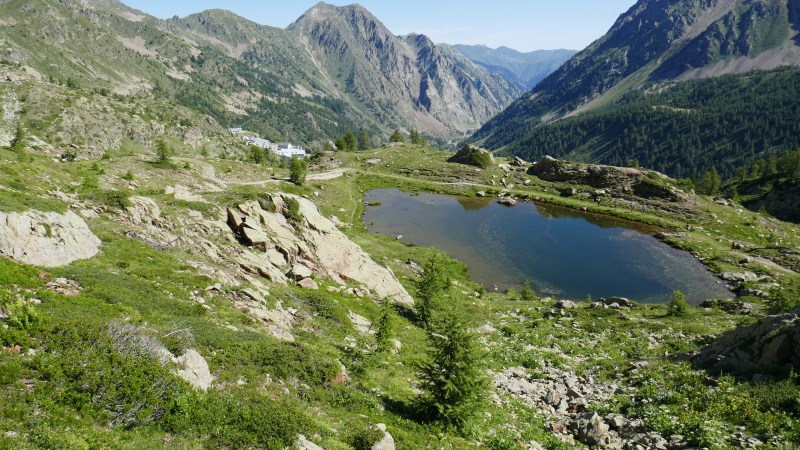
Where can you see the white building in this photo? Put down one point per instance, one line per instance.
(235, 130)
(288, 150)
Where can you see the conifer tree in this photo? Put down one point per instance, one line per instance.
(297, 171)
(432, 282)
(363, 141)
(397, 136)
(454, 380)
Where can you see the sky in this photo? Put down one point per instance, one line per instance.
(523, 25)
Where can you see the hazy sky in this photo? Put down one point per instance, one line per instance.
(524, 25)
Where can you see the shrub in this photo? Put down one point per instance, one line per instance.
(677, 307)
(364, 437)
(243, 418)
(113, 372)
(292, 211)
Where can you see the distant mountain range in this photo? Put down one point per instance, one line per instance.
(650, 48)
(525, 70)
(336, 68)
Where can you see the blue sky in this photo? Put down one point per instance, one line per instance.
(524, 25)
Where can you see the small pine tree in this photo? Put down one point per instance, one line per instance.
(783, 298)
(432, 282)
(384, 332)
(416, 138)
(397, 136)
(19, 141)
(298, 171)
(677, 307)
(527, 293)
(454, 380)
(350, 142)
(163, 152)
(363, 141)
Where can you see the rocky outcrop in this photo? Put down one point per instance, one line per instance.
(46, 238)
(616, 180)
(473, 156)
(771, 345)
(291, 239)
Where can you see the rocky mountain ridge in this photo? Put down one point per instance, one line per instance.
(283, 84)
(400, 77)
(652, 42)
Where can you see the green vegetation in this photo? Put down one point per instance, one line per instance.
(454, 379)
(527, 293)
(385, 328)
(397, 136)
(163, 153)
(298, 171)
(431, 284)
(677, 306)
(682, 129)
(19, 141)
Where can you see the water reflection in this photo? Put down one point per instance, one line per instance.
(559, 250)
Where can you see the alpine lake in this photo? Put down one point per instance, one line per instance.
(560, 251)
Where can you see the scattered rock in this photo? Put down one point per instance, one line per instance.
(565, 304)
(183, 193)
(360, 323)
(569, 192)
(486, 329)
(308, 283)
(46, 238)
(63, 286)
(507, 201)
(303, 443)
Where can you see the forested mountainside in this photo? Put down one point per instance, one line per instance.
(525, 70)
(683, 129)
(652, 45)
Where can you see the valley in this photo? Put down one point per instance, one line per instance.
(622, 272)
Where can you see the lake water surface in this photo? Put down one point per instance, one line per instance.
(559, 250)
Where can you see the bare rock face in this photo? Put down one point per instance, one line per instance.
(772, 345)
(618, 180)
(305, 245)
(46, 239)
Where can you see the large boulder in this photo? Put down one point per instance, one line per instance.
(473, 156)
(771, 345)
(46, 238)
(618, 180)
(193, 368)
